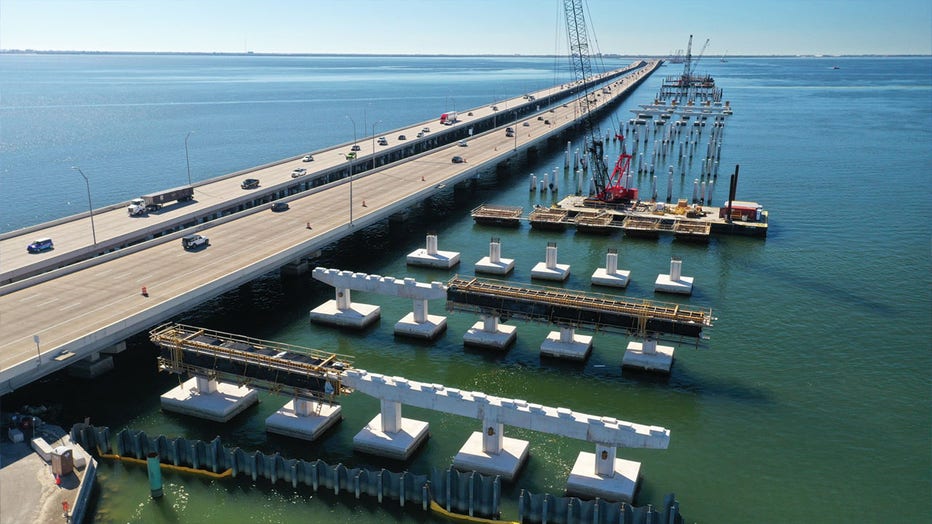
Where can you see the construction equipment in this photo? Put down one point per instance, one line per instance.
(608, 188)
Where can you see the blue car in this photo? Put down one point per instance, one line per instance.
(40, 245)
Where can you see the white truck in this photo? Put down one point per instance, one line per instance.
(154, 201)
(448, 119)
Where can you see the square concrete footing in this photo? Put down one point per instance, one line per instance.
(661, 359)
(502, 267)
(506, 463)
(559, 273)
(357, 316)
(617, 279)
(502, 338)
(286, 421)
(399, 445)
(578, 349)
(91, 367)
(407, 327)
(683, 286)
(583, 480)
(441, 259)
(228, 401)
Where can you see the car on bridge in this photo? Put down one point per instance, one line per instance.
(250, 183)
(190, 242)
(40, 245)
(355, 147)
(459, 160)
(279, 206)
(298, 172)
(402, 137)
(463, 143)
(308, 158)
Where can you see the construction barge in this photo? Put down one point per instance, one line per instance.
(692, 223)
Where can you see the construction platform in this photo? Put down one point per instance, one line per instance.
(575, 308)
(498, 215)
(549, 218)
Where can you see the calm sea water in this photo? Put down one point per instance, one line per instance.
(812, 403)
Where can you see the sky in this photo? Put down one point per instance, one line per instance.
(501, 27)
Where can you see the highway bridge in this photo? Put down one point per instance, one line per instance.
(57, 317)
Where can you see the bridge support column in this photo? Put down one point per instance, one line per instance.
(432, 257)
(566, 344)
(492, 453)
(91, 367)
(304, 418)
(648, 355)
(419, 323)
(494, 263)
(389, 434)
(610, 274)
(489, 333)
(208, 398)
(549, 269)
(603, 475)
(341, 311)
(674, 282)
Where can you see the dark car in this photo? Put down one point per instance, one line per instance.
(250, 183)
(402, 137)
(279, 206)
(355, 147)
(458, 160)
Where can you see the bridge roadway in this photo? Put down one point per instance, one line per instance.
(54, 319)
(214, 198)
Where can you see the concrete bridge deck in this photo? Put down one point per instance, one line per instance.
(51, 320)
(220, 196)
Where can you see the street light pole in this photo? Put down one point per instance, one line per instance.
(186, 160)
(373, 141)
(90, 207)
(516, 130)
(352, 161)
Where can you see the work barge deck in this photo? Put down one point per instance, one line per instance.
(693, 223)
(575, 308)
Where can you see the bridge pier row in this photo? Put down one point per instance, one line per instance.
(344, 313)
(494, 264)
(389, 434)
(419, 323)
(204, 397)
(610, 275)
(489, 333)
(602, 474)
(304, 418)
(430, 256)
(492, 453)
(648, 355)
(549, 269)
(566, 344)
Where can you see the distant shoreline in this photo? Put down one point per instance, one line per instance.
(425, 55)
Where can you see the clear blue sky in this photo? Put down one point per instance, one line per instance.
(761, 27)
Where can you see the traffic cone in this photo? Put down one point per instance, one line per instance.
(145, 292)
(57, 479)
(363, 203)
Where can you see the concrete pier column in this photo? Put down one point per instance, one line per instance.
(205, 385)
(533, 182)
(676, 268)
(495, 251)
(390, 416)
(431, 244)
(490, 334)
(551, 256)
(611, 263)
(566, 344)
(647, 355)
(493, 438)
(343, 299)
(420, 310)
(490, 323)
(566, 334)
(605, 460)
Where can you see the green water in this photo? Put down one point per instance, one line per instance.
(811, 402)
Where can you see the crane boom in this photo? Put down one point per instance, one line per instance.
(608, 188)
